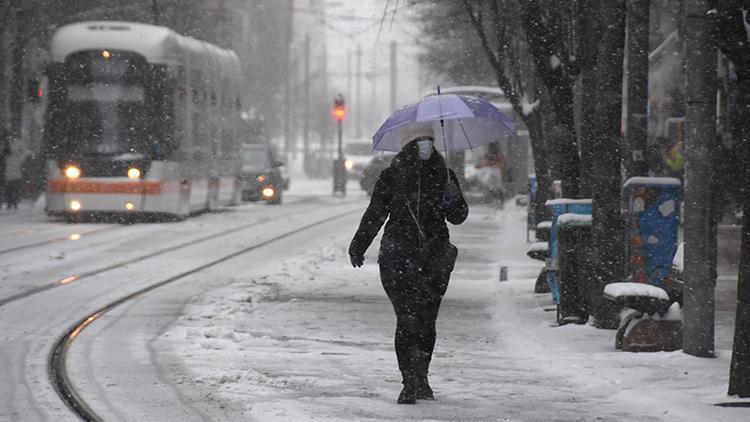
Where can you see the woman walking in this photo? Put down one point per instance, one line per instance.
(416, 194)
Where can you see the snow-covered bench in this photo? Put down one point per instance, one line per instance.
(538, 251)
(641, 297)
(654, 322)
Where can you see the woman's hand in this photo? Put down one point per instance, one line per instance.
(450, 193)
(357, 260)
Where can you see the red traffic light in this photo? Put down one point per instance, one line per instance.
(339, 110)
(339, 113)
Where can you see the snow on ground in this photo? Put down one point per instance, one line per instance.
(311, 339)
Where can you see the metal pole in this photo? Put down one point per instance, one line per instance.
(287, 85)
(325, 142)
(637, 104)
(155, 11)
(393, 75)
(341, 147)
(700, 134)
(349, 80)
(306, 117)
(358, 126)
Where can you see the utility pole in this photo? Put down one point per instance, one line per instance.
(637, 105)
(358, 127)
(349, 81)
(155, 11)
(324, 94)
(287, 94)
(306, 117)
(349, 73)
(700, 134)
(393, 75)
(373, 87)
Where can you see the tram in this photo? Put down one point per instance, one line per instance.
(140, 120)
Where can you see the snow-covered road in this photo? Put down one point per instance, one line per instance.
(290, 332)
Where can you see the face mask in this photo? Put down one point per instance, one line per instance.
(425, 149)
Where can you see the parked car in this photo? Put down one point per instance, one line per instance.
(372, 170)
(357, 155)
(262, 176)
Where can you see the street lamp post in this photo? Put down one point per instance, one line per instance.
(339, 168)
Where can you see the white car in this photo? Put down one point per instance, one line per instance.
(357, 154)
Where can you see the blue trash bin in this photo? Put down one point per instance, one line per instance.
(559, 207)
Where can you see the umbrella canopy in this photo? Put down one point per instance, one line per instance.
(459, 122)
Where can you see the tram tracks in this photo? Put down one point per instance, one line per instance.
(69, 237)
(57, 369)
(71, 278)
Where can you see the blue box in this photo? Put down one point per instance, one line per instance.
(653, 220)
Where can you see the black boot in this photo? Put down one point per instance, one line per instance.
(409, 392)
(424, 392)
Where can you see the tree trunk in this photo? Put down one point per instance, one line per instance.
(739, 373)
(637, 77)
(589, 38)
(729, 32)
(551, 71)
(541, 168)
(607, 231)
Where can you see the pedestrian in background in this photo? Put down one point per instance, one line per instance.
(416, 194)
(13, 174)
(4, 152)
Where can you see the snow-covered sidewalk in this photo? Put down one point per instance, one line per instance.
(310, 338)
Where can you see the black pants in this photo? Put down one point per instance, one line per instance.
(415, 290)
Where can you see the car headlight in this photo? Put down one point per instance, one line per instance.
(72, 172)
(348, 164)
(261, 178)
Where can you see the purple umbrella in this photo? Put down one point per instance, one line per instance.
(459, 122)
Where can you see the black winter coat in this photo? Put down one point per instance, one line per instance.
(409, 186)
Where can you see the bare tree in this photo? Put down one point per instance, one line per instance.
(498, 34)
(607, 230)
(549, 32)
(729, 22)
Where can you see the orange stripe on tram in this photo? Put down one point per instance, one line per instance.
(146, 187)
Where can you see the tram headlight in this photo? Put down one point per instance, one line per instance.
(129, 206)
(106, 54)
(72, 172)
(348, 164)
(75, 205)
(134, 173)
(268, 192)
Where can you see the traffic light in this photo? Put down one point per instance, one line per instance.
(339, 109)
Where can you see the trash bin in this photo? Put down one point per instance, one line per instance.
(559, 207)
(574, 256)
(653, 216)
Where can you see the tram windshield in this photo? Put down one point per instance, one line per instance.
(107, 107)
(107, 119)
